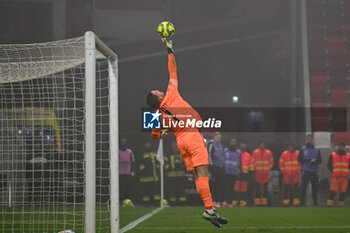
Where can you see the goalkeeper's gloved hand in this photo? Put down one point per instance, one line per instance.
(163, 133)
(168, 44)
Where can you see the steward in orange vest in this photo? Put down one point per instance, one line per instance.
(241, 184)
(262, 162)
(339, 164)
(290, 167)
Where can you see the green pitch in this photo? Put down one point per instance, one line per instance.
(249, 220)
(55, 219)
(183, 220)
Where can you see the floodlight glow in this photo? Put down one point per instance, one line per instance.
(235, 99)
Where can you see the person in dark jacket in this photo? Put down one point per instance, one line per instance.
(309, 158)
(232, 165)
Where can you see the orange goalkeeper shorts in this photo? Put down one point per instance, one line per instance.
(339, 184)
(193, 150)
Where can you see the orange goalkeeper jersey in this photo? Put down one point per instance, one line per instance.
(174, 109)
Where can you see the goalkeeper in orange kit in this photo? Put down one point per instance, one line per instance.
(189, 140)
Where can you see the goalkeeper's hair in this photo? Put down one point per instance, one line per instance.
(152, 100)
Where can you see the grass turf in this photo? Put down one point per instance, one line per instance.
(186, 220)
(129, 214)
(249, 220)
(55, 219)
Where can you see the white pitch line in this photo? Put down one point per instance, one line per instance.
(140, 220)
(243, 228)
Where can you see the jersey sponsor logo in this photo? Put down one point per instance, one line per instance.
(151, 120)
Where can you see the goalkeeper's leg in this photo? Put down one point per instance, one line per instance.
(195, 157)
(202, 184)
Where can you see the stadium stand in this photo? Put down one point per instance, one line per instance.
(335, 44)
(320, 110)
(320, 117)
(319, 89)
(322, 139)
(319, 83)
(340, 98)
(321, 124)
(328, 36)
(338, 81)
(342, 137)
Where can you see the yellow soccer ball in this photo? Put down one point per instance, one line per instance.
(165, 202)
(128, 203)
(166, 29)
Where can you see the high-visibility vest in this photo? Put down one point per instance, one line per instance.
(289, 162)
(148, 168)
(245, 162)
(340, 164)
(174, 166)
(262, 160)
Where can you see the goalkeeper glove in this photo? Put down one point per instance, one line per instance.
(168, 44)
(164, 133)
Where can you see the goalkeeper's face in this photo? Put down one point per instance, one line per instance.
(154, 98)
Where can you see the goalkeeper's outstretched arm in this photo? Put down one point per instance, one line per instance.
(171, 59)
(172, 66)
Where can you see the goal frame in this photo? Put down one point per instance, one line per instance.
(92, 45)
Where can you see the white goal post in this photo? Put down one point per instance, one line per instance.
(93, 43)
(59, 143)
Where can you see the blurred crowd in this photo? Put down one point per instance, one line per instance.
(238, 176)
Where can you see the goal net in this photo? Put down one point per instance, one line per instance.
(58, 114)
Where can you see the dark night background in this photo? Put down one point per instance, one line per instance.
(223, 48)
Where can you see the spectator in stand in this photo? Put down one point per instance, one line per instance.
(262, 162)
(290, 167)
(217, 160)
(241, 184)
(126, 170)
(310, 159)
(339, 165)
(232, 164)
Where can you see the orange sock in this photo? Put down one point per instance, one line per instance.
(202, 185)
